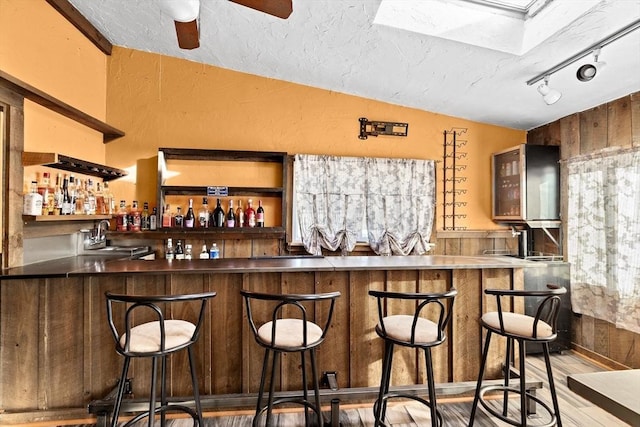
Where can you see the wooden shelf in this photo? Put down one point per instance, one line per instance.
(63, 218)
(54, 104)
(200, 233)
(180, 190)
(60, 161)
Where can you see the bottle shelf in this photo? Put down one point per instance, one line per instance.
(200, 233)
(70, 164)
(180, 190)
(63, 218)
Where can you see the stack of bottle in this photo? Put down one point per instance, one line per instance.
(205, 218)
(68, 196)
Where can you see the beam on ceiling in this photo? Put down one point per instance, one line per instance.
(72, 15)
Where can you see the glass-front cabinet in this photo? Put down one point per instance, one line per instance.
(526, 184)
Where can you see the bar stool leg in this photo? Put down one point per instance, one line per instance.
(272, 386)
(152, 398)
(194, 383)
(380, 406)
(552, 387)
(432, 387)
(508, 362)
(305, 393)
(316, 386)
(163, 390)
(121, 384)
(265, 364)
(523, 384)
(483, 363)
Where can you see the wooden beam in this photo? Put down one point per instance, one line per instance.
(54, 104)
(83, 25)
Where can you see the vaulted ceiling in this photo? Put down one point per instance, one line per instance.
(465, 58)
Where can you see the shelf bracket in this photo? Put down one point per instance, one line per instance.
(370, 128)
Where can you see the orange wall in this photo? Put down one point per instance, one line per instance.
(41, 48)
(166, 102)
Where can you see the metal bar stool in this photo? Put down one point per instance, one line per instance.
(414, 330)
(521, 328)
(288, 332)
(156, 339)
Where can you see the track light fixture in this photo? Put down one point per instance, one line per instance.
(550, 96)
(588, 71)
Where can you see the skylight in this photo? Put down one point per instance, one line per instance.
(512, 26)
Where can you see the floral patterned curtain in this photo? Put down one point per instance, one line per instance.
(333, 195)
(604, 237)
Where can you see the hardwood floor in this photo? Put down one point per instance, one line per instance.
(575, 411)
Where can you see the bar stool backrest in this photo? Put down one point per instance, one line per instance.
(436, 307)
(290, 306)
(152, 308)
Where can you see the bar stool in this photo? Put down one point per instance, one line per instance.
(289, 332)
(156, 339)
(522, 328)
(414, 330)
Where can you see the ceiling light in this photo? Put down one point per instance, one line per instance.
(550, 96)
(181, 10)
(588, 71)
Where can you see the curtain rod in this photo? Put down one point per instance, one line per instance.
(602, 43)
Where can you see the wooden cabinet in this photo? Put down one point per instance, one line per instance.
(195, 174)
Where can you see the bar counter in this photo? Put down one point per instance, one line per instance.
(57, 350)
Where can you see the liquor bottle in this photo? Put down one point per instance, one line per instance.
(190, 218)
(218, 216)
(67, 201)
(166, 217)
(32, 203)
(179, 252)
(178, 218)
(203, 214)
(77, 201)
(239, 215)
(58, 196)
(153, 220)
(135, 218)
(101, 208)
(122, 218)
(109, 201)
(90, 198)
(145, 220)
(250, 215)
(43, 190)
(204, 254)
(168, 252)
(188, 251)
(231, 216)
(260, 215)
(214, 252)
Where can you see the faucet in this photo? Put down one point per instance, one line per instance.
(96, 238)
(100, 236)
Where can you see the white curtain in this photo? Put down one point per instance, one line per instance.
(400, 205)
(333, 195)
(604, 237)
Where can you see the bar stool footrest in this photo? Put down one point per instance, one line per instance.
(404, 396)
(502, 388)
(164, 408)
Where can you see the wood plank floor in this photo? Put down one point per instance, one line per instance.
(575, 411)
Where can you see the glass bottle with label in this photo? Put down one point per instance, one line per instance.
(122, 219)
(67, 201)
(32, 204)
(166, 216)
(203, 214)
(231, 216)
(58, 195)
(135, 218)
(109, 200)
(168, 252)
(250, 215)
(179, 252)
(260, 215)
(43, 190)
(190, 218)
(204, 254)
(218, 215)
(90, 202)
(145, 220)
(153, 220)
(101, 208)
(214, 252)
(188, 251)
(239, 215)
(178, 218)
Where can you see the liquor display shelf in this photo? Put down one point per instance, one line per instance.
(200, 233)
(60, 218)
(70, 164)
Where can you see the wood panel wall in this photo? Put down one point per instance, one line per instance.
(58, 355)
(615, 124)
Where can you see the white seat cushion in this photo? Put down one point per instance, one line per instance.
(289, 333)
(398, 327)
(145, 338)
(518, 324)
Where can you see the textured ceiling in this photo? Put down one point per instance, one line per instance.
(394, 51)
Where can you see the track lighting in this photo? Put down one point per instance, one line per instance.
(550, 96)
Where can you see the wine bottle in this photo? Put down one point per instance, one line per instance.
(250, 215)
(260, 215)
(239, 215)
(178, 219)
(67, 202)
(179, 252)
(218, 216)
(153, 220)
(203, 214)
(231, 216)
(190, 218)
(58, 196)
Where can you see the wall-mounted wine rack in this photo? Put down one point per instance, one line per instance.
(452, 166)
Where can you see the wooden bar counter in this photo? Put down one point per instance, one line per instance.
(57, 354)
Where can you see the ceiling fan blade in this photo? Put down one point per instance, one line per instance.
(280, 8)
(187, 32)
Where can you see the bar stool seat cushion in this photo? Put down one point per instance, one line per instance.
(518, 324)
(289, 333)
(398, 327)
(145, 338)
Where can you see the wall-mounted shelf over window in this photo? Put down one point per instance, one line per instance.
(60, 161)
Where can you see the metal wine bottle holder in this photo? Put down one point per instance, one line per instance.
(451, 168)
